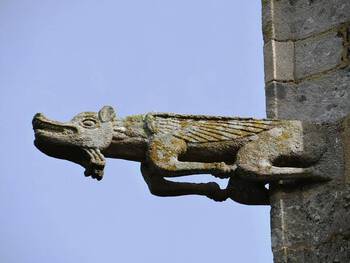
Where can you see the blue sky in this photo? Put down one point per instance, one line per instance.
(64, 57)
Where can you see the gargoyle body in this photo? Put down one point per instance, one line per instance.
(248, 151)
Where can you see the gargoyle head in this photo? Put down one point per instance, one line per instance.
(82, 140)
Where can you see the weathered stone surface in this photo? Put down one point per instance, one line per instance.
(299, 19)
(287, 255)
(337, 251)
(325, 98)
(319, 207)
(310, 223)
(306, 216)
(267, 24)
(317, 55)
(346, 142)
(344, 32)
(279, 61)
(295, 59)
(288, 208)
(250, 152)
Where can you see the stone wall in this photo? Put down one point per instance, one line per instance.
(307, 75)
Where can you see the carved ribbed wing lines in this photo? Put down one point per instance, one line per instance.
(201, 129)
(216, 133)
(231, 126)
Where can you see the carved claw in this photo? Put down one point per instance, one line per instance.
(216, 193)
(95, 172)
(247, 192)
(95, 165)
(225, 171)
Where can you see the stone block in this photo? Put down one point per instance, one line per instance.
(325, 98)
(279, 61)
(324, 226)
(317, 55)
(267, 24)
(311, 222)
(298, 19)
(337, 251)
(287, 255)
(287, 207)
(326, 216)
(346, 142)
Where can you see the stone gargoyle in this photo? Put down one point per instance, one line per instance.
(250, 152)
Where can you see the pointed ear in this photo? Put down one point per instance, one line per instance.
(106, 114)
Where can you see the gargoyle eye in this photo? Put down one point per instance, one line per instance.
(89, 123)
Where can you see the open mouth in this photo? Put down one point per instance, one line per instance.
(53, 139)
(41, 125)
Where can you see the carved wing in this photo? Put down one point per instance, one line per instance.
(202, 129)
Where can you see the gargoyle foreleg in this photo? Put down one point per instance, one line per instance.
(162, 187)
(163, 155)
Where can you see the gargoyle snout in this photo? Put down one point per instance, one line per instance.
(40, 122)
(38, 115)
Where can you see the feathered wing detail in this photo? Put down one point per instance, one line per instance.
(203, 129)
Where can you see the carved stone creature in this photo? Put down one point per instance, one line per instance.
(248, 151)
